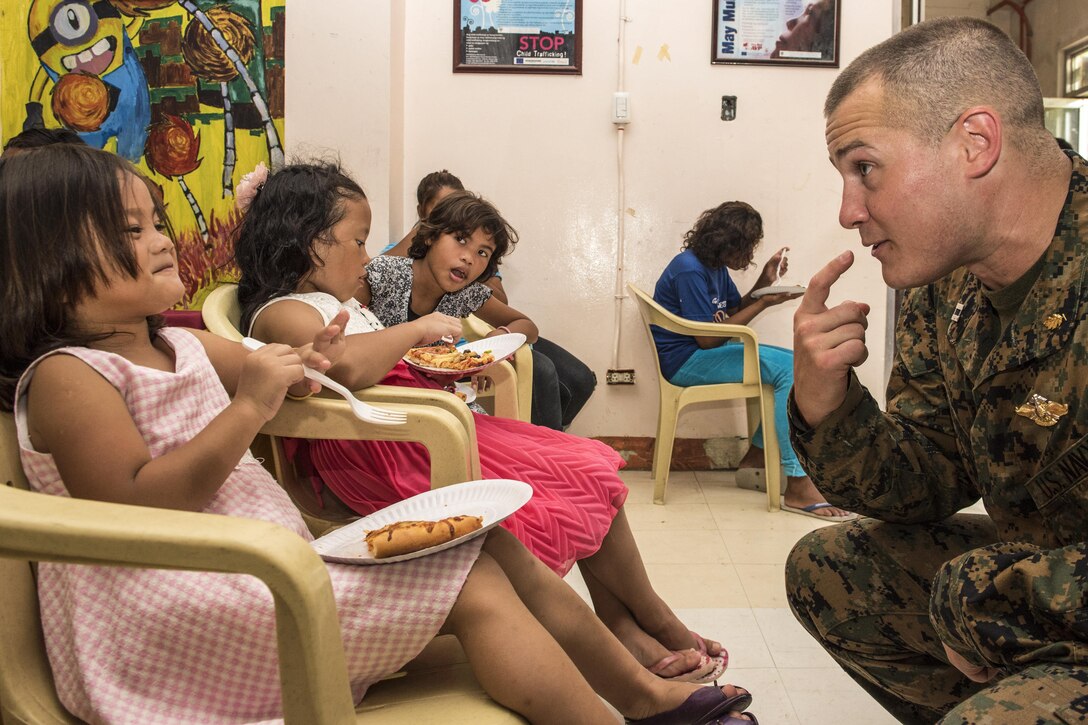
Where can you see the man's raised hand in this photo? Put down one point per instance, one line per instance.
(826, 344)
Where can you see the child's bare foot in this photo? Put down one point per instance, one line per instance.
(667, 629)
(653, 655)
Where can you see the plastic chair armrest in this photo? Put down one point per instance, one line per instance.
(313, 669)
(473, 328)
(513, 397)
(707, 329)
(454, 457)
(505, 381)
(381, 394)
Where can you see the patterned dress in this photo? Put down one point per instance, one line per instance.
(576, 488)
(390, 280)
(153, 646)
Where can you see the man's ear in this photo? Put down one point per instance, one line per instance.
(980, 136)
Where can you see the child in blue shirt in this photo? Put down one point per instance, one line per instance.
(696, 285)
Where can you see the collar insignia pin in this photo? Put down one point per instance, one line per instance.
(1042, 411)
(1053, 322)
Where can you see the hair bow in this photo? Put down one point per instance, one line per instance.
(251, 183)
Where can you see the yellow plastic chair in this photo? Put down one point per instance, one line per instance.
(222, 315)
(759, 397)
(437, 419)
(38, 527)
(519, 369)
(453, 453)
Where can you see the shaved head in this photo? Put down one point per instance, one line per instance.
(933, 71)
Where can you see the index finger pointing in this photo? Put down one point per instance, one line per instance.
(819, 287)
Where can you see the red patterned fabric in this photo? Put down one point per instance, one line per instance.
(576, 490)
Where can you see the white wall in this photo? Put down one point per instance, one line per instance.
(542, 148)
(338, 90)
(1056, 24)
(946, 8)
(370, 82)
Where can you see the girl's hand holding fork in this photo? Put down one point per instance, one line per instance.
(274, 370)
(437, 326)
(774, 269)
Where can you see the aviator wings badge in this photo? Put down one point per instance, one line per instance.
(1042, 411)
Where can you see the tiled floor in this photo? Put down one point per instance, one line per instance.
(716, 555)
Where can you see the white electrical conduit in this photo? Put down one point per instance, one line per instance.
(621, 198)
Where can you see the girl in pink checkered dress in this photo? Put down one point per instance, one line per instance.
(109, 406)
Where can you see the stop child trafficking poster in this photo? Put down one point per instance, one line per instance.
(517, 36)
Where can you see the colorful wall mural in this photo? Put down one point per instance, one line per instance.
(191, 91)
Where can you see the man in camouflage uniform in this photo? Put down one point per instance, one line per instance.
(955, 185)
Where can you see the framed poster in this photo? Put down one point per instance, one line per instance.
(776, 32)
(517, 36)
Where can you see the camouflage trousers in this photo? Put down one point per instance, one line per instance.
(863, 589)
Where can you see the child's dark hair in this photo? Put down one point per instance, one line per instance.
(295, 209)
(725, 235)
(63, 230)
(463, 212)
(432, 183)
(38, 136)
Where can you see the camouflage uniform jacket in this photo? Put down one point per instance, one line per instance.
(953, 434)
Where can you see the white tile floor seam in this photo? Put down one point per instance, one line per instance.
(724, 576)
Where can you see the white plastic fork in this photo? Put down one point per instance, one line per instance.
(778, 269)
(362, 411)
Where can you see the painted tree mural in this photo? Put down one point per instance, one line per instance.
(189, 90)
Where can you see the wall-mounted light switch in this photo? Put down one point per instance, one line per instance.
(621, 108)
(729, 108)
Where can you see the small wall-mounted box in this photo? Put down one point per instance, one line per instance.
(729, 108)
(621, 107)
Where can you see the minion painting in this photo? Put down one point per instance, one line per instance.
(99, 86)
(191, 91)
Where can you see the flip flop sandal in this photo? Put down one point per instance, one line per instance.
(811, 510)
(708, 671)
(700, 645)
(720, 664)
(704, 667)
(705, 706)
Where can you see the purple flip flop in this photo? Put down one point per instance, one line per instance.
(705, 706)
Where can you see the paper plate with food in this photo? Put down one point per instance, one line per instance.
(426, 523)
(782, 289)
(466, 358)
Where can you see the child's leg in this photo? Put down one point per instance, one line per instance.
(618, 567)
(619, 620)
(725, 365)
(606, 664)
(776, 369)
(518, 663)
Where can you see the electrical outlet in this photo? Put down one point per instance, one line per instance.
(729, 108)
(620, 377)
